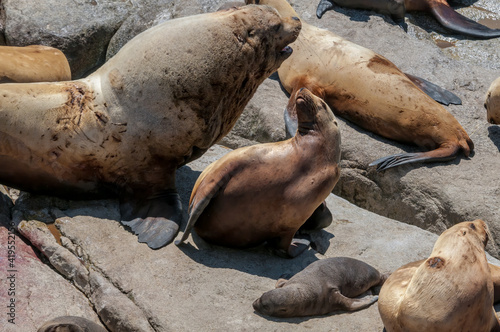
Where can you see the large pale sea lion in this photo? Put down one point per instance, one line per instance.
(450, 291)
(440, 9)
(159, 103)
(492, 103)
(369, 90)
(266, 192)
(323, 287)
(33, 63)
(71, 324)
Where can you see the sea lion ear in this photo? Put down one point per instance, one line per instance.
(280, 283)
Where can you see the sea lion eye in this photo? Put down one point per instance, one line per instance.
(472, 226)
(251, 33)
(277, 27)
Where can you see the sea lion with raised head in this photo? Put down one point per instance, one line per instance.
(324, 286)
(450, 291)
(492, 103)
(440, 9)
(71, 324)
(369, 90)
(35, 63)
(165, 98)
(266, 192)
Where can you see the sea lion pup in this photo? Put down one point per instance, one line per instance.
(266, 192)
(165, 98)
(71, 324)
(440, 9)
(492, 103)
(324, 286)
(367, 89)
(450, 291)
(35, 63)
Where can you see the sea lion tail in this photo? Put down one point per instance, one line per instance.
(452, 20)
(443, 153)
(323, 7)
(434, 91)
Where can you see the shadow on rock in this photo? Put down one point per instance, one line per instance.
(494, 135)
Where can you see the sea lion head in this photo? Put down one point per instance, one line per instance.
(289, 301)
(314, 116)
(469, 235)
(266, 33)
(492, 106)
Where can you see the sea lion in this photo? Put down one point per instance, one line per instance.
(266, 192)
(71, 324)
(369, 90)
(492, 103)
(324, 286)
(450, 291)
(159, 103)
(440, 9)
(34, 63)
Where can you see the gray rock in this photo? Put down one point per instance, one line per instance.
(80, 28)
(38, 293)
(199, 286)
(431, 196)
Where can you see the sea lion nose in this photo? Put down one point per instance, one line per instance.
(295, 18)
(301, 89)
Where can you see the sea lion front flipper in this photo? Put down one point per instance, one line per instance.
(452, 20)
(434, 91)
(443, 153)
(323, 7)
(155, 220)
(349, 304)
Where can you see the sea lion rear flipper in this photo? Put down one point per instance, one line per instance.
(324, 6)
(452, 20)
(443, 153)
(154, 220)
(203, 192)
(349, 304)
(434, 91)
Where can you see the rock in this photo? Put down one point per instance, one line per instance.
(432, 196)
(199, 286)
(80, 28)
(38, 293)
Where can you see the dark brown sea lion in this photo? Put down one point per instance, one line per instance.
(441, 10)
(266, 192)
(71, 324)
(450, 291)
(165, 98)
(323, 287)
(33, 63)
(369, 90)
(492, 103)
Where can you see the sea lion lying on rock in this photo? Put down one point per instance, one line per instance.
(266, 192)
(35, 63)
(440, 9)
(325, 286)
(450, 291)
(71, 324)
(367, 89)
(165, 98)
(492, 103)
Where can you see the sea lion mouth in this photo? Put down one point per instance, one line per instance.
(286, 51)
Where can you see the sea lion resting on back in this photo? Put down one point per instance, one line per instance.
(33, 63)
(266, 192)
(492, 103)
(159, 103)
(450, 291)
(441, 10)
(370, 91)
